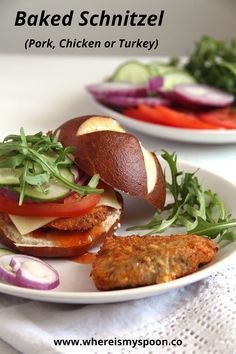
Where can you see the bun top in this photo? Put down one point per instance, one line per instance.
(104, 147)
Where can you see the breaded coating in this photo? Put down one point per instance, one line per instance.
(81, 223)
(132, 261)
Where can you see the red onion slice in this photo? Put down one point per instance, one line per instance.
(6, 272)
(198, 95)
(123, 102)
(28, 272)
(155, 84)
(33, 273)
(83, 180)
(9, 194)
(107, 89)
(80, 176)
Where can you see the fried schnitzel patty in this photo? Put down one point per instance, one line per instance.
(132, 261)
(83, 222)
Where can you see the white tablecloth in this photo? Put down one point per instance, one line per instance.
(45, 91)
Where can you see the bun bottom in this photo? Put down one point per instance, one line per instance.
(56, 244)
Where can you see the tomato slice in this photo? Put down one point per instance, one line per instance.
(70, 208)
(167, 116)
(180, 120)
(225, 118)
(136, 113)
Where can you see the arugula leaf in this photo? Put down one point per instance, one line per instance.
(37, 179)
(94, 181)
(213, 204)
(165, 224)
(38, 158)
(173, 187)
(12, 161)
(200, 212)
(228, 236)
(52, 169)
(212, 230)
(154, 222)
(23, 182)
(187, 223)
(24, 141)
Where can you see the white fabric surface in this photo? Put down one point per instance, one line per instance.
(202, 315)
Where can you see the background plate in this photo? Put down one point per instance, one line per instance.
(178, 134)
(76, 285)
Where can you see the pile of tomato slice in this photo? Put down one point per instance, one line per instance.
(215, 119)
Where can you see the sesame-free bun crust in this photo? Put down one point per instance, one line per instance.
(103, 147)
(122, 168)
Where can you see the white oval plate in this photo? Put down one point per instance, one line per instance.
(77, 287)
(185, 135)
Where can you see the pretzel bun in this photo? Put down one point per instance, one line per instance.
(104, 147)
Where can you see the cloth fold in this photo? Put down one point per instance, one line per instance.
(201, 315)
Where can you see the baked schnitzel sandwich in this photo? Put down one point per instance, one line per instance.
(48, 206)
(59, 192)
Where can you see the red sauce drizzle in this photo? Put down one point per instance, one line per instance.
(86, 258)
(73, 239)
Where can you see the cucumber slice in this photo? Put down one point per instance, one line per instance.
(176, 77)
(66, 163)
(4, 251)
(159, 69)
(9, 176)
(132, 72)
(55, 190)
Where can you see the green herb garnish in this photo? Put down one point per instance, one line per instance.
(213, 62)
(199, 211)
(39, 158)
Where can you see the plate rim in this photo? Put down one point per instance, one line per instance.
(75, 297)
(212, 134)
(104, 297)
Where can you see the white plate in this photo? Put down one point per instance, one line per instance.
(76, 285)
(169, 133)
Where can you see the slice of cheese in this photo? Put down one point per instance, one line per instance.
(26, 224)
(108, 198)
